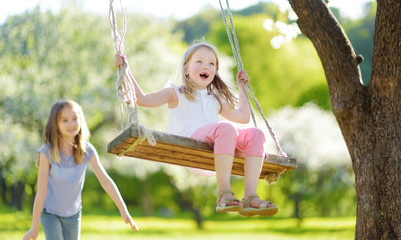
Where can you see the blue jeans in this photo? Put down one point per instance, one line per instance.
(61, 228)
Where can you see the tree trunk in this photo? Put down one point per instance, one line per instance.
(32, 200)
(297, 202)
(185, 202)
(369, 116)
(147, 197)
(17, 195)
(3, 188)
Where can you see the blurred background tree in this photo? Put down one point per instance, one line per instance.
(322, 185)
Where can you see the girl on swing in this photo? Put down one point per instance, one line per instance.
(193, 110)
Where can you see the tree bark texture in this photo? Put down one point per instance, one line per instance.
(369, 116)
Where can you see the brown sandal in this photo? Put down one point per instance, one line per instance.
(262, 210)
(223, 205)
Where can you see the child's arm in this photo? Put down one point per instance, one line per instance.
(111, 189)
(241, 113)
(40, 197)
(156, 99)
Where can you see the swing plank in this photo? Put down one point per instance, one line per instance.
(188, 152)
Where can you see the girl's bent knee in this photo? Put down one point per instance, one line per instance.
(226, 137)
(226, 129)
(253, 141)
(256, 135)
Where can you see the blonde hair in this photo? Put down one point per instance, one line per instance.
(217, 87)
(52, 135)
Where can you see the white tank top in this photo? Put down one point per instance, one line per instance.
(188, 116)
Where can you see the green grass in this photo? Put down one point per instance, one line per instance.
(13, 225)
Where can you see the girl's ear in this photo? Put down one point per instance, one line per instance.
(186, 71)
(217, 64)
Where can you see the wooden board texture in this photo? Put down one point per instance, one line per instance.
(189, 152)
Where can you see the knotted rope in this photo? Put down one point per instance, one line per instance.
(143, 134)
(232, 36)
(124, 84)
(273, 177)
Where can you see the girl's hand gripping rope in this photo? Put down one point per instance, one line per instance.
(242, 76)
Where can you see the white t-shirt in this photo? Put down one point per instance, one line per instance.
(188, 116)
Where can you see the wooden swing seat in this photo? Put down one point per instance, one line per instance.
(188, 152)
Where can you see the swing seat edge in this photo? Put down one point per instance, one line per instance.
(188, 152)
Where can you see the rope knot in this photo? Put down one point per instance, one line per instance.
(273, 177)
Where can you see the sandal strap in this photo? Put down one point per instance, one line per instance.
(224, 202)
(264, 203)
(224, 193)
(247, 202)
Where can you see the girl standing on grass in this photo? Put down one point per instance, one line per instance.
(193, 110)
(62, 164)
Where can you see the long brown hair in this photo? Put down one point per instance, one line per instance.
(217, 87)
(51, 133)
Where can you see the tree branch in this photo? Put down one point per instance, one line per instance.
(340, 63)
(386, 67)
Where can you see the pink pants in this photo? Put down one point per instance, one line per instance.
(226, 139)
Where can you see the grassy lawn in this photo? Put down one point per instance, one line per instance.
(111, 227)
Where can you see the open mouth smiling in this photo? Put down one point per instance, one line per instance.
(204, 75)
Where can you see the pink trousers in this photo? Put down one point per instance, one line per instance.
(226, 139)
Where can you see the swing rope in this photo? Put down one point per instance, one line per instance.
(232, 36)
(124, 84)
